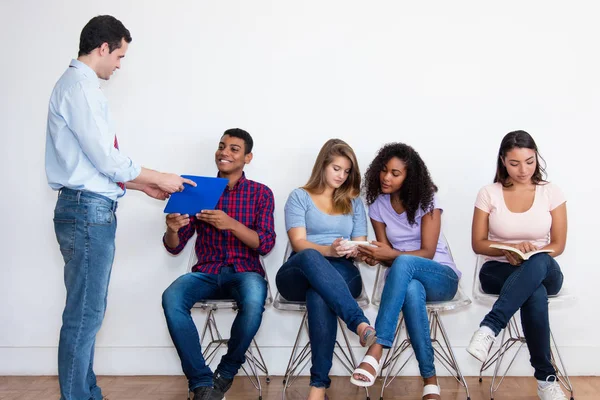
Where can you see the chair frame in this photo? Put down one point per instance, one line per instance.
(513, 336)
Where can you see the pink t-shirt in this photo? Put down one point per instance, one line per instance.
(532, 225)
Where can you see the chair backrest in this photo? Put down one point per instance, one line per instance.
(478, 293)
(194, 259)
(282, 304)
(459, 300)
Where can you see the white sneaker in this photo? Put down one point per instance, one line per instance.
(480, 345)
(552, 392)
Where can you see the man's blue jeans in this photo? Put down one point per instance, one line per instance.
(411, 281)
(248, 289)
(526, 287)
(329, 286)
(85, 225)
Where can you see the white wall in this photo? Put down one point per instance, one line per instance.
(449, 78)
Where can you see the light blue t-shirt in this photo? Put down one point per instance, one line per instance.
(406, 237)
(322, 228)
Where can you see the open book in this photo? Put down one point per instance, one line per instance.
(523, 256)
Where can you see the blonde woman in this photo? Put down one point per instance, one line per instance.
(320, 271)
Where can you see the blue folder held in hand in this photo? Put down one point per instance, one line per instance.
(195, 199)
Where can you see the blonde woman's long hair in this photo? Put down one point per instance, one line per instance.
(350, 189)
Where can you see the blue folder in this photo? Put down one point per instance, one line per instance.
(195, 199)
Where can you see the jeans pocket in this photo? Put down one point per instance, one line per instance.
(65, 236)
(102, 216)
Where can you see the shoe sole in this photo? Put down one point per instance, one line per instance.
(477, 356)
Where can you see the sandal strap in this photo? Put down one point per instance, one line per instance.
(431, 389)
(372, 361)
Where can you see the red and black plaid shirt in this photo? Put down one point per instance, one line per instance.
(248, 202)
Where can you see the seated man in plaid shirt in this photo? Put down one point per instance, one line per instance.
(229, 241)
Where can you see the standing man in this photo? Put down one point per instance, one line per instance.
(84, 164)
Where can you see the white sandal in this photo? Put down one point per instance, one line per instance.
(372, 361)
(431, 389)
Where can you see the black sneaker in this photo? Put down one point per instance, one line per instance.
(202, 393)
(220, 386)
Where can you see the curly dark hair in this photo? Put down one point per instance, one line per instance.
(417, 190)
(102, 29)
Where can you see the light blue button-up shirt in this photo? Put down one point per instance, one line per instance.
(80, 137)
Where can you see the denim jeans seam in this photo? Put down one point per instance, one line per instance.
(82, 322)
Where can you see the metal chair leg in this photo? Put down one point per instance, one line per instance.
(561, 370)
(447, 357)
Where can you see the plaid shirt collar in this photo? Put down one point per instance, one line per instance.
(238, 184)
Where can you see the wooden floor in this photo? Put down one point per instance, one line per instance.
(174, 387)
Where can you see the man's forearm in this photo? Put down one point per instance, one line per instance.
(171, 239)
(146, 177)
(134, 186)
(246, 235)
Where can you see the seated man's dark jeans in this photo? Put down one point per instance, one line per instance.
(248, 289)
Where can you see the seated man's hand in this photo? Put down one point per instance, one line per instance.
(177, 221)
(217, 218)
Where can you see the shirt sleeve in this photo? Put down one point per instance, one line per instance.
(184, 234)
(437, 204)
(484, 200)
(359, 219)
(374, 211)
(265, 225)
(556, 196)
(84, 112)
(295, 210)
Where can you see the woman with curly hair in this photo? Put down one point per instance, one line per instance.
(406, 219)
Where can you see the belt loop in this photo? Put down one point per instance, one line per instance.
(114, 206)
(78, 196)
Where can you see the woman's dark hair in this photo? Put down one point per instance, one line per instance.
(521, 140)
(102, 29)
(241, 134)
(417, 190)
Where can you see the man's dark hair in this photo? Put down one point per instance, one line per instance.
(102, 29)
(242, 134)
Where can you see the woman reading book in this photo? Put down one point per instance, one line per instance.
(524, 211)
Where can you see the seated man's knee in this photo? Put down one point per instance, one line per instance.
(254, 294)
(171, 299)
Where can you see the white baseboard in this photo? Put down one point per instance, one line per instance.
(164, 361)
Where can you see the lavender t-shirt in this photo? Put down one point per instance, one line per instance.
(406, 237)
